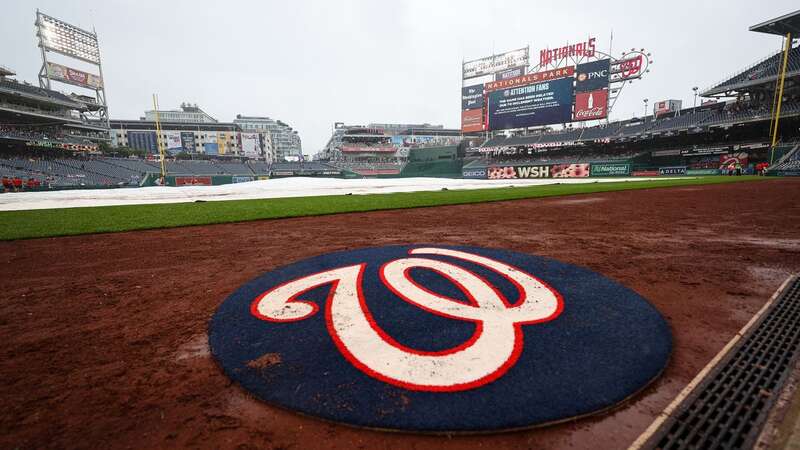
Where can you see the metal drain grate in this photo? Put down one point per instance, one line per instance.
(729, 408)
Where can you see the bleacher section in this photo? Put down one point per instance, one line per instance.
(759, 73)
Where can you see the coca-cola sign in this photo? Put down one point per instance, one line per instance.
(591, 105)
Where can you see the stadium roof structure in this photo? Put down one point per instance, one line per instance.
(6, 72)
(787, 23)
(762, 75)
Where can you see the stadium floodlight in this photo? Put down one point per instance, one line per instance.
(60, 37)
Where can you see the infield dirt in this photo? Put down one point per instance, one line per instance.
(104, 338)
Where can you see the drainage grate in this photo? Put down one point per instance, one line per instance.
(729, 408)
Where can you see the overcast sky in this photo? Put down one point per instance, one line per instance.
(311, 64)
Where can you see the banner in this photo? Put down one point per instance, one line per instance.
(251, 145)
(193, 181)
(174, 140)
(644, 173)
(211, 149)
(472, 97)
(681, 170)
(472, 121)
(530, 78)
(591, 105)
(702, 171)
(241, 179)
(495, 63)
(536, 104)
(579, 170)
(187, 141)
(610, 169)
(73, 76)
(143, 140)
(500, 173)
(222, 143)
(510, 73)
(593, 75)
(474, 174)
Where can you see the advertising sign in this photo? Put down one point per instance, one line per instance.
(592, 75)
(580, 170)
(530, 78)
(610, 169)
(591, 105)
(500, 173)
(250, 145)
(187, 141)
(241, 179)
(222, 147)
(73, 76)
(678, 170)
(702, 171)
(174, 140)
(536, 104)
(143, 140)
(472, 97)
(192, 181)
(645, 173)
(510, 73)
(495, 63)
(474, 174)
(472, 120)
(211, 149)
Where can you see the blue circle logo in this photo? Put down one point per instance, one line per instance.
(439, 339)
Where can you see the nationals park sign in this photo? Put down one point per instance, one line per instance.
(430, 338)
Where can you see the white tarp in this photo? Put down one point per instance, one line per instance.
(277, 188)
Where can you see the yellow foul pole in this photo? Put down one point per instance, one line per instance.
(158, 140)
(782, 78)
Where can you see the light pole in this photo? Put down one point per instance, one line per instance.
(645, 107)
(695, 98)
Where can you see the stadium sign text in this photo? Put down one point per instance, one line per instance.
(530, 78)
(580, 50)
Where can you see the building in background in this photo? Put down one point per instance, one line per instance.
(212, 139)
(284, 142)
(187, 113)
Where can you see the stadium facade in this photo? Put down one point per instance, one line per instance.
(285, 142)
(187, 113)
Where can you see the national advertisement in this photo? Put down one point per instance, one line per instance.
(610, 169)
(592, 76)
(472, 97)
(544, 103)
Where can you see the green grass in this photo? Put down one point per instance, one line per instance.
(107, 219)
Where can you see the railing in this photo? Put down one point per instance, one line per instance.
(738, 72)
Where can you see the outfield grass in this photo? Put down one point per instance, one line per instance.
(108, 219)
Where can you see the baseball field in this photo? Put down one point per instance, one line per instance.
(105, 328)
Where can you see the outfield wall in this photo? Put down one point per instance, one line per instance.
(578, 170)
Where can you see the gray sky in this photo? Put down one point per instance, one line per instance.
(311, 64)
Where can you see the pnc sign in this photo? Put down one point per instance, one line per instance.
(426, 334)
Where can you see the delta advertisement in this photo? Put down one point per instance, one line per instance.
(532, 105)
(73, 76)
(610, 170)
